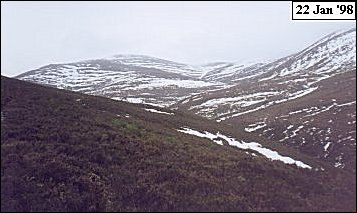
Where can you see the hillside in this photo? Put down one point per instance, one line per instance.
(67, 151)
(306, 100)
(132, 78)
(284, 101)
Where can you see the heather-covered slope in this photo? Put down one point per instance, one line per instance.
(65, 151)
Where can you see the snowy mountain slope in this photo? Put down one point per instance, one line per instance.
(324, 57)
(138, 78)
(121, 80)
(321, 123)
(231, 72)
(290, 80)
(280, 81)
(145, 79)
(157, 63)
(332, 54)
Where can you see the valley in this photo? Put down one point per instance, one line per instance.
(306, 100)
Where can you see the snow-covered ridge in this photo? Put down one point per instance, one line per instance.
(325, 56)
(120, 81)
(230, 72)
(293, 75)
(218, 137)
(157, 63)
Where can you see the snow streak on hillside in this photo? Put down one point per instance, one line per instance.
(217, 138)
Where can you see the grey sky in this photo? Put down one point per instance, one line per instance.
(34, 34)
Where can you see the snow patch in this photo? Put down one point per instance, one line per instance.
(254, 127)
(160, 112)
(273, 155)
(327, 146)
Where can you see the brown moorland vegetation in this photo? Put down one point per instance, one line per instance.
(65, 151)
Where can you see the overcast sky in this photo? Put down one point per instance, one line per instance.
(34, 34)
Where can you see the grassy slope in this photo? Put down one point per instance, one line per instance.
(59, 153)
